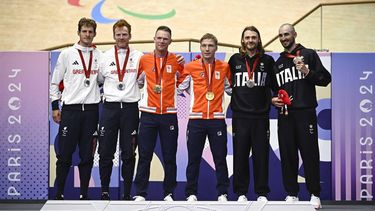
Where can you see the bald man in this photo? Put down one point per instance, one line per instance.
(298, 70)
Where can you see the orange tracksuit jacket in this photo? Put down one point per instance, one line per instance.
(195, 77)
(165, 102)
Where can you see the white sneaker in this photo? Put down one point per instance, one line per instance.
(315, 202)
(191, 198)
(139, 198)
(222, 198)
(168, 197)
(291, 199)
(242, 198)
(262, 199)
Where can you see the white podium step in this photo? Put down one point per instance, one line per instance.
(53, 205)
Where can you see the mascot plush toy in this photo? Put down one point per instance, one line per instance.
(284, 96)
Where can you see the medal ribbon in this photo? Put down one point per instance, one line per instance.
(158, 79)
(121, 72)
(87, 71)
(291, 56)
(252, 70)
(209, 78)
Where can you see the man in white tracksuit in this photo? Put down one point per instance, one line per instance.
(78, 67)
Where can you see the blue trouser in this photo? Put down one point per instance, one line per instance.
(124, 118)
(150, 126)
(77, 126)
(216, 130)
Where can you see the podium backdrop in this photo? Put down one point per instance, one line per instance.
(345, 123)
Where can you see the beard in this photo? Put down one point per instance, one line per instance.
(289, 44)
(251, 46)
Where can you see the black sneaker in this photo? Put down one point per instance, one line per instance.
(83, 197)
(127, 198)
(105, 196)
(59, 197)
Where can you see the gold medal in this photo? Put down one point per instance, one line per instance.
(210, 96)
(157, 89)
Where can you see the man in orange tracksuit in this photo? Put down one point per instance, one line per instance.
(207, 78)
(158, 72)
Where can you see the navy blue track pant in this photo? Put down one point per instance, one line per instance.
(150, 126)
(118, 118)
(197, 131)
(77, 126)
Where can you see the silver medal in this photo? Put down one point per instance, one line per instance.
(87, 82)
(121, 86)
(250, 83)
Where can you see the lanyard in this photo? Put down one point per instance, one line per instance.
(209, 77)
(252, 70)
(158, 79)
(87, 71)
(121, 72)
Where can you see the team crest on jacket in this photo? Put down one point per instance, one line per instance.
(217, 75)
(169, 68)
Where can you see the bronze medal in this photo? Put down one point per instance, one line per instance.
(250, 83)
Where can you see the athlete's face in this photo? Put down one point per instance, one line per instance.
(122, 37)
(287, 37)
(208, 49)
(162, 40)
(86, 36)
(250, 40)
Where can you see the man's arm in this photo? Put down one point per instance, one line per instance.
(317, 73)
(55, 94)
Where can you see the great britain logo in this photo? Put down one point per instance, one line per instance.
(97, 15)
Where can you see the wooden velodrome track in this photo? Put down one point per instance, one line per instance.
(40, 24)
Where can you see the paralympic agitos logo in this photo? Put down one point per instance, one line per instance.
(99, 17)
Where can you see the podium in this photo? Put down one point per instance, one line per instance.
(70, 205)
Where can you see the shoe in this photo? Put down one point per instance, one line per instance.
(222, 198)
(315, 202)
(83, 197)
(191, 198)
(242, 198)
(105, 196)
(139, 198)
(262, 199)
(168, 197)
(291, 199)
(59, 197)
(127, 198)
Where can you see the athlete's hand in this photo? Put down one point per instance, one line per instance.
(180, 59)
(56, 115)
(300, 66)
(277, 102)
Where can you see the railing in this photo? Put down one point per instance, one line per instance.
(189, 41)
(345, 26)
